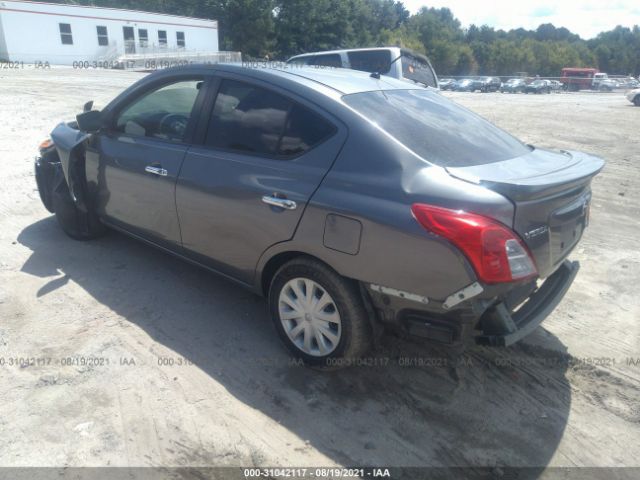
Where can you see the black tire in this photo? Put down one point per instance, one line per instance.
(77, 224)
(636, 100)
(356, 329)
(46, 177)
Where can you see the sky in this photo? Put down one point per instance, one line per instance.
(585, 17)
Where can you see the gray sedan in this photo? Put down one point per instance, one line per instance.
(353, 202)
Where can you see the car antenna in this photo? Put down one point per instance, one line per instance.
(376, 75)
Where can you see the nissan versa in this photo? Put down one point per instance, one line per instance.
(351, 201)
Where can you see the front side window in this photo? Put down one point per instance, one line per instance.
(143, 35)
(65, 34)
(437, 129)
(254, 120)
(163, 113)
(162, 37)
(103, 37)
(180, 39)
(370, 60)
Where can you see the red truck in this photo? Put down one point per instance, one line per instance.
(574, 79)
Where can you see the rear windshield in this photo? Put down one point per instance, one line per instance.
(439, 130)
(418, 70)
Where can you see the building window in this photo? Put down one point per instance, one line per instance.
(103, 37)
(162, 38)
(180, 38)
(65, 34)
(143, 35)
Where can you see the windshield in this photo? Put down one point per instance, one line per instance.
(437, 129)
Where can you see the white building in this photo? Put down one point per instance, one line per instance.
(63, 34)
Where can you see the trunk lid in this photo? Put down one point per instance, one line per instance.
(551, 192)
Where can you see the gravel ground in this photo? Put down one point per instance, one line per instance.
(114, 354)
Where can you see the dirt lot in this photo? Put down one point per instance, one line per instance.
(112, 353)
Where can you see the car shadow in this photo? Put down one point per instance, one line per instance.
(410, 405)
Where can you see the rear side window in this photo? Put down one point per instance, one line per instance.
(330, 60)
(370, 60)
(304, 130)
(251, 119)
(417, 70)
(439, 130)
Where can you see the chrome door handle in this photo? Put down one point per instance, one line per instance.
(279, 202)
(156, 170)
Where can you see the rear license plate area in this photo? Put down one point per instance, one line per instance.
(566, 226)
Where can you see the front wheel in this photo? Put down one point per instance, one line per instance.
(319, 315)
(636, 101)
(77, 224)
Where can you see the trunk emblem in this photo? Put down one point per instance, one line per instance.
(536, 232)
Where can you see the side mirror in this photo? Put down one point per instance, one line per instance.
(90, 122)
(87, 106)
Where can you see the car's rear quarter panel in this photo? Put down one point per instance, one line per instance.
(374, 181)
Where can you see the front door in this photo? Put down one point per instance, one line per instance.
(129, 40)
(140, 156)
(246, 187)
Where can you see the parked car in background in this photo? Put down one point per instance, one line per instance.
(490, 84)
(446, 83)
(538, 86)
(634, 97)
(400, 63)
(281, 180)
(555, 85)
(466, 85)
(628, 83)
(513, 85)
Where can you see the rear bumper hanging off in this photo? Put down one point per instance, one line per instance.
(500, 328)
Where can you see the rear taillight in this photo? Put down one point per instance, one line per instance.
(495, 251)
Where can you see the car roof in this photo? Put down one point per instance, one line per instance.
(339, 80)
(343, 50)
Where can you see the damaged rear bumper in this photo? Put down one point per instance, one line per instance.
(499, 320)
(501, 328)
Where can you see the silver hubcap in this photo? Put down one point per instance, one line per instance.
(310, 317)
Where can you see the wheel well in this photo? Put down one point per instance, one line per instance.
(274, 264)
(280, 259)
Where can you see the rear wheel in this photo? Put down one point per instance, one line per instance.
(636, 101)
(319, 315)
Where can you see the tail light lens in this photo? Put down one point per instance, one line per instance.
(495, 251)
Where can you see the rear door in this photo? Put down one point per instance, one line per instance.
(245, 187)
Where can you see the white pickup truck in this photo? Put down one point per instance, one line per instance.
(603, 83)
